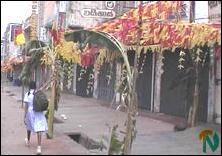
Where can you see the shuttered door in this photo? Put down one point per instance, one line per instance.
(173, 97)
(144, 81)
(82, 82)
(176, 97)
(106, 82)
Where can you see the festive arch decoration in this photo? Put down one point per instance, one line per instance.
(101, 40)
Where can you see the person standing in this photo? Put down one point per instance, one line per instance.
(35, 121)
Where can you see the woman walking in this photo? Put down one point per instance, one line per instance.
(34, 121)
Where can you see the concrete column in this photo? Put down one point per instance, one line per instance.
(211, 93)
(74, 78)
(157, 87)
(95, 91)
(218, 92)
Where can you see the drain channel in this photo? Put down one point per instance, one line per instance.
(85, 141)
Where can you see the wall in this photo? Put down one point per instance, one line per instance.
(214, 13)
(2, 51)
(49, 11)
(9, 45)
(218, 92)
(74, 16)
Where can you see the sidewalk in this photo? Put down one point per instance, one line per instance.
(13, 133)
(88, 117)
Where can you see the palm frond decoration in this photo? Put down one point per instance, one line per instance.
(31, 46)
(34, 49)
(96, 38)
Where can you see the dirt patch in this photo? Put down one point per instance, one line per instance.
(11, 94)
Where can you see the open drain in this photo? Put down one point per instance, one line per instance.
(86, 141)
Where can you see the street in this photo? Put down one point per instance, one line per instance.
(88, 117)
(111, 77)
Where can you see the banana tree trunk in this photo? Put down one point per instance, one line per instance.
(22, 94)
(132, 102)
(128, 138)
(52, 105)
(131, 118)
(192, 120)
(131, 110)
(23, 90)
(196, 104)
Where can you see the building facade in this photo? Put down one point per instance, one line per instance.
(10, 49)
(214, 14)
(90, 13)
(2, 50)
(87, 14)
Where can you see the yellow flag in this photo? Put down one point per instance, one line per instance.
(20, 39)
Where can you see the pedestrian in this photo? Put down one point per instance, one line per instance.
(35, 121)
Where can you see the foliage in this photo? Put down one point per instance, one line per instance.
(25, 75)
(66, 72)
(33, 63)
(115, 144)
(31, 46)
(69, 51)
(157, 31)
(105, 56)
(34, 50)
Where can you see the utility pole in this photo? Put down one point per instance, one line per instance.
(192, 11)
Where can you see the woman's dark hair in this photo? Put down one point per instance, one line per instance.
(32, 85)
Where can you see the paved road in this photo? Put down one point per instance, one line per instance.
(87, 116)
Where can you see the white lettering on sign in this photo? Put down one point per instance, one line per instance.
(95, 13)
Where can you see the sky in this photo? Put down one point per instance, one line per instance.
(14, 12)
